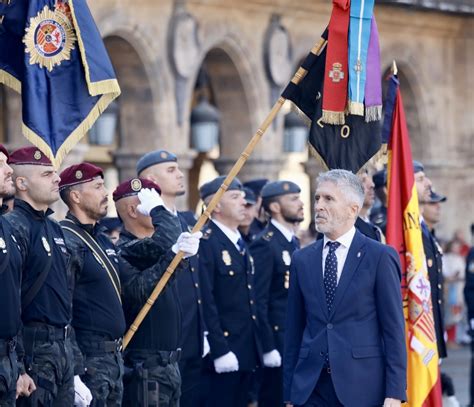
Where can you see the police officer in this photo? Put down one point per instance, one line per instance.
(46, 282)
(147, 246)
(251, 211)
(434, 257)
(162, 167)
(272, 252)
(378, 214)
(469, 297)
(260, 221)
(363, 223)
(229, 300)
(98, 318)
(10, 284)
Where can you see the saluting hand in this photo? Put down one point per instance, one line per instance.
(149, 200)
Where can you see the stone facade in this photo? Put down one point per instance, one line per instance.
(158, 48)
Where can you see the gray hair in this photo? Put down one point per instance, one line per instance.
(349, 183)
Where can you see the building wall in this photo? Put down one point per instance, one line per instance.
(431, 50)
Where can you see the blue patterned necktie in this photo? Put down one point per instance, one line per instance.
(241, 245)
(330, 273)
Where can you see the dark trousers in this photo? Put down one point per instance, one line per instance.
(323, 394)
(190, 370)
(8, 378)
(271, 387)
(471, 385)
(229, 389)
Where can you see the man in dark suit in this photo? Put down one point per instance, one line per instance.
(272, 251)
(230, 310)
(345, 329)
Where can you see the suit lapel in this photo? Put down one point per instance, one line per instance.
(317, 270)
(354, 257)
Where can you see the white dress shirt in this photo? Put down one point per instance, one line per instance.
(341, 252)
(232, 235)
(283, 229)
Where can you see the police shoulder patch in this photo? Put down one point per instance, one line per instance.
(268, 236)
(206, 233)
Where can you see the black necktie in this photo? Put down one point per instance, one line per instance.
(241, 245)
(330, 273)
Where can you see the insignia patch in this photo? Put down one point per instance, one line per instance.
(226, 258)
(136, 184)
(267, 236)
(46, 245)
(37, 155)
(3, 245)
(336, 74)
(285, 255)
(50, 37)
(59, 240)
(286, 187)
(163, 155)
(110, 252)
(79, 174)
(206, 234)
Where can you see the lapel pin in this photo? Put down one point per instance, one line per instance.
(358, 254)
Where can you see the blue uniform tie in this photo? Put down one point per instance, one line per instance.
(330, 273)
(241, 245)
(295, 242)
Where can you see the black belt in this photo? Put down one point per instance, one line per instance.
(101, 346)
(40, 332)
(157, 358)
(7, 346)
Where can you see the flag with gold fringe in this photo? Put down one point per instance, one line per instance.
(405, 235)
(52, 53)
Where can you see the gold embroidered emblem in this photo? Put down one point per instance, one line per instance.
(50, 36)
(285, 255)
(336, 74)
(226, 258)
(136, 184)
(37, 155)
(79, 174)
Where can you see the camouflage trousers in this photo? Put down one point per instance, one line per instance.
(151, 386)
(49, 361)
(8, 378)
(104, 378)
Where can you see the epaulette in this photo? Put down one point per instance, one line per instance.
(268, 236)
(206, 233)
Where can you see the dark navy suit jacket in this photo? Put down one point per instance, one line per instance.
(364, 335)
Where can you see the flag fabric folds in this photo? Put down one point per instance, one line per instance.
(405, 235)
(52, 52)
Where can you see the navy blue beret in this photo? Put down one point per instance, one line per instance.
(153, 158)
(417, 167)
(256, 185)
(435, 197)
(277, 188)
(249, 196)
(211, 187)
(380, 179)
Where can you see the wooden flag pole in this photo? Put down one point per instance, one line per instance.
(299, 75)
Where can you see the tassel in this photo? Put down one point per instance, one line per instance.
(356, 108)
(373, 113)
(333, 117)
(10, 81)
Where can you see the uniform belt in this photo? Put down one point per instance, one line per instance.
(7, 346)
(158, 358)
(40, 332)
(101, 346)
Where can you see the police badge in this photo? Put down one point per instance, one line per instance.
(50, 36)
(226, 258)
(285, 255)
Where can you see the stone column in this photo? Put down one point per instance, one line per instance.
(253, 168)
(126, 163)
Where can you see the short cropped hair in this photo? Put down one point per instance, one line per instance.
(348, 182)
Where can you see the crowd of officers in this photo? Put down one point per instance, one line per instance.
(215, 335)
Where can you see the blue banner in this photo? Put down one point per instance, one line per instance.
(52, 52)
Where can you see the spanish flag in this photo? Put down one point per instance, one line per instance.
(405, 235)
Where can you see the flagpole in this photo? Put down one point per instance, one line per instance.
(298, 76)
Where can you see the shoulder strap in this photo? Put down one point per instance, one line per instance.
(94, 247)
(35, 288)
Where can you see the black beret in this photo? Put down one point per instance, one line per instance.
(153, 158)
(256, 185)
(249, 196)
(211, 187)
(380, 178)
(277, 188)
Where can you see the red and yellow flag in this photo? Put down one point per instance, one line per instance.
(405, 235)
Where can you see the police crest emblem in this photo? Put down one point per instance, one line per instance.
(50, 36)
(136, 185)
(226, 258)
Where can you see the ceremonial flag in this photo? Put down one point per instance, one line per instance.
(347, 146)
(52, 53)
(405, 235)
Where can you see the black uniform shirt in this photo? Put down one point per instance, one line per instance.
(42, 246)
(10, 282)
(96, 303)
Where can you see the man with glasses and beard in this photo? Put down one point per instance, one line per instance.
(271, 252)
(98, 318)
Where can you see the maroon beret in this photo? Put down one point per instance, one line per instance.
(79, 174)
(133, 187)
(29, 156)
(4, 151)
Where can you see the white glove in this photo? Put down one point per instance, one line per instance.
(82, 395)
(149, 199)
(272, 359)
(187, 243)
(226, 363)
(206, 348)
